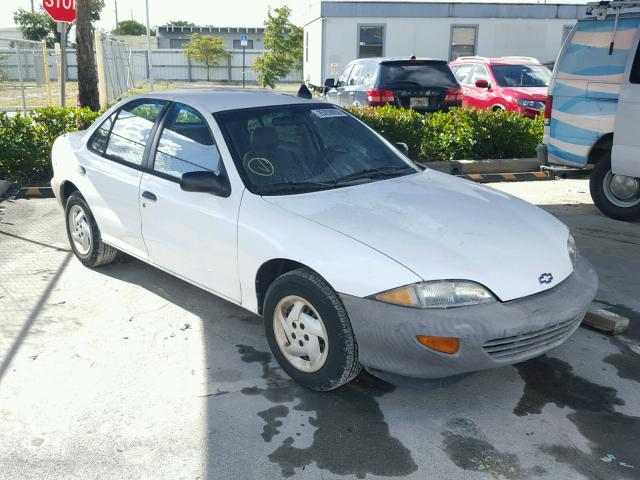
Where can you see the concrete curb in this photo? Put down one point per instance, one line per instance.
(602, 319)
(35, 192)
(505, 165)
(507, 177)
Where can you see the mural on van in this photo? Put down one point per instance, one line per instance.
(586, 87)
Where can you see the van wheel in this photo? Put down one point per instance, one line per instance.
(309, 332)
(617, 196)
(84, 235)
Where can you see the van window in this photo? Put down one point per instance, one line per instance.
(635, 68)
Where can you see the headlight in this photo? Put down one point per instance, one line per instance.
(572, 249)
(530, 104)
(438, 294)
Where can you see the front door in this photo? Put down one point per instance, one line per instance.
(193, 235)
(625, 157)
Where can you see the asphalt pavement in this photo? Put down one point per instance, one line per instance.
(125, 372)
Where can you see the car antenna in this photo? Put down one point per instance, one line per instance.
(304, 92)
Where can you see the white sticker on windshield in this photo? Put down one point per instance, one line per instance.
(329, 113)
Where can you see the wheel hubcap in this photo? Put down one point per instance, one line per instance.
(621, 190)
(300, 334)
(80, 229)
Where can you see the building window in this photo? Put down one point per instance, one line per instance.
(463, 41)
(566, 30)
(306, 47)
(177, 42)
(238, 45)
(370, 41)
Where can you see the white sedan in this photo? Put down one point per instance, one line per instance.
(297, 211)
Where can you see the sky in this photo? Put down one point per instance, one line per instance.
(219, 13)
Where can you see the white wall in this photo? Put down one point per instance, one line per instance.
(312, 66)
(430, 37)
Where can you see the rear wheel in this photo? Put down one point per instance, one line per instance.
(309, 332)
(84, 234)
(617, 196)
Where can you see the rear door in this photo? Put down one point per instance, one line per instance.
(625, 157)
(190, 234)
(113, 169)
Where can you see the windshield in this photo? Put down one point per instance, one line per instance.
(521, 75)
(297, 148)
(421, 74)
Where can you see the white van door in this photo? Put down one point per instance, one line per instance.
(625, 157)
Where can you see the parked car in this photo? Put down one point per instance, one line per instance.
(593, 108)
(297, 211)
(424, 84)
(515, 84)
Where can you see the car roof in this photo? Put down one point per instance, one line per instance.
(221, 99)
(513, 60)
(396, 59)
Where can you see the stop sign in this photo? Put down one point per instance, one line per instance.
(61, 10)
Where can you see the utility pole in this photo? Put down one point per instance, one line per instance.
(32, 9)
(116, 2)
(149, 63)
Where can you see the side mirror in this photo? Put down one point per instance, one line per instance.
(482, 83)
(205, 182)
(403, 147)
(330, 83)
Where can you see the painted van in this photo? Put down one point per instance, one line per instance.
(592, 117)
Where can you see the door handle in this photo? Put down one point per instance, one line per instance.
(82, 170)
(149, 196)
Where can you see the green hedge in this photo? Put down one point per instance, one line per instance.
(26, 141)
(457, 134)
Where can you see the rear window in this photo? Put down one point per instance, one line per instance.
(422, 74)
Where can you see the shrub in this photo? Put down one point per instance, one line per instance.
(26, 141)
(457, 134)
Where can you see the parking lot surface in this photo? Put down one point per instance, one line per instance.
(126, 372)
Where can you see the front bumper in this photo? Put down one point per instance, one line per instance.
(491, 335)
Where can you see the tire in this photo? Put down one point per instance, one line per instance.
(84, 238)
(324, 315)
(603, 196)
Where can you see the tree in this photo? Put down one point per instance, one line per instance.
(40, 26)
(180, 23)
(129, 27)
(207, 49)
(85, 57)
(284, 42)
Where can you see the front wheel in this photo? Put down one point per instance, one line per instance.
(617, 196)
(309, 332)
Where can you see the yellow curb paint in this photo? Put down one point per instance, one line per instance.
(509, 176)
(475, 176)
(32, 191)
(540, 174)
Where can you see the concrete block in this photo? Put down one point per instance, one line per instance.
(602, 319)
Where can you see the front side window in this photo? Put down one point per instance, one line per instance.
(521, 75)
(462, 72)
(98, 141)
(131, 130)
(479, 73)
(463, 41)
(370, 41)
(344, 76)
(186, 144)
(296, 148)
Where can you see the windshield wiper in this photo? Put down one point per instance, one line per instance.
(381, 172)
(295, 186)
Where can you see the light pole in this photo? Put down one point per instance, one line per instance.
(149, 64)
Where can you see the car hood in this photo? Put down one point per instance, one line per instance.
(527, 93)
(442, 227)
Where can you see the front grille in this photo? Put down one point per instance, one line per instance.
(520, 345)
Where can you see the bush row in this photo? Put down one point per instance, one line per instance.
(457, 134)
(26, 140)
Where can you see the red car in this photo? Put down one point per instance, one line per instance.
(517, 84)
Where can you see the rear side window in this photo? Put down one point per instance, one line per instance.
(635, 68)
(131, 129)
(417, 73)
(98, 141)
(186, 144)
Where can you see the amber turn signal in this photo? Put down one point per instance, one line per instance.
(440, 344)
